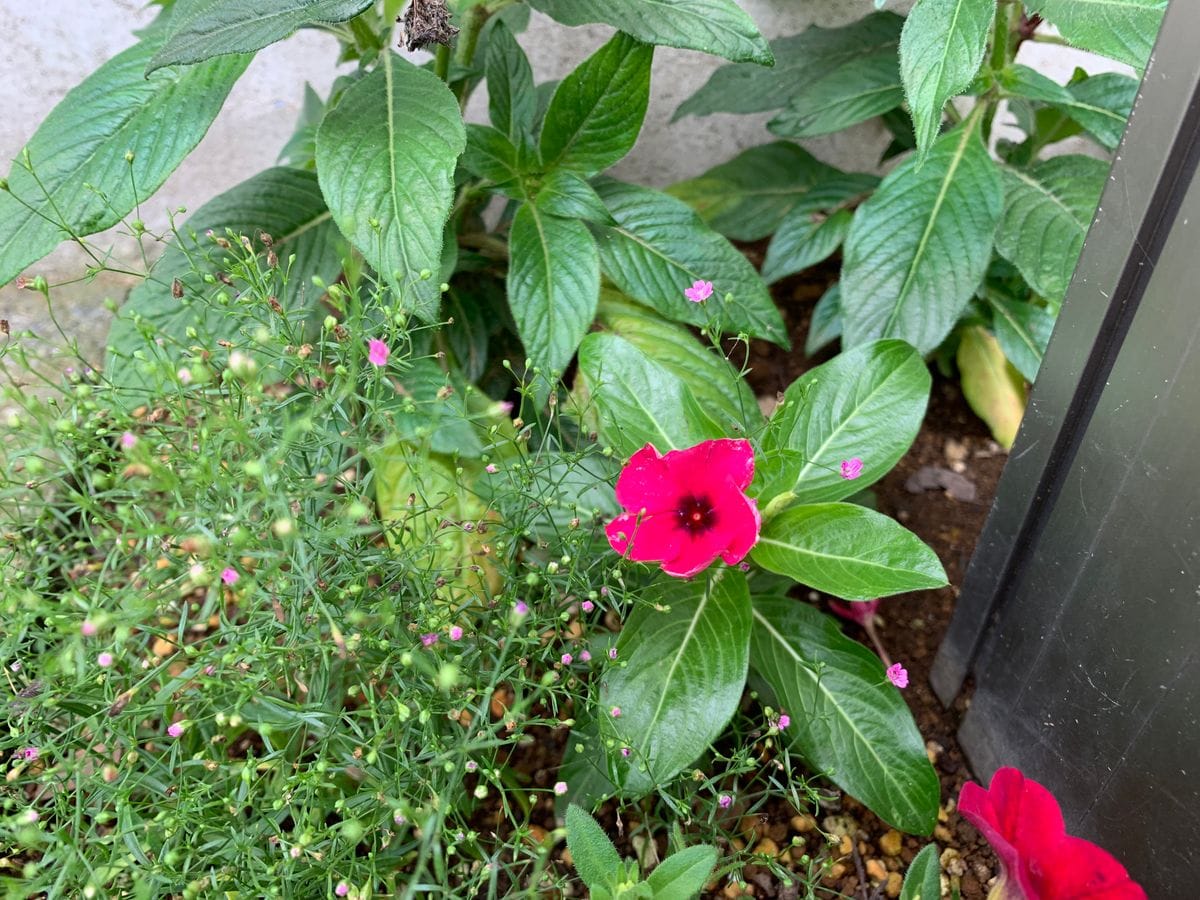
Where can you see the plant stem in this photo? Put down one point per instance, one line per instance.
(468, 41)
(1004, 49)
(441, 62)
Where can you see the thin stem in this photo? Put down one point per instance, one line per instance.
(441, 62)
(468, 42)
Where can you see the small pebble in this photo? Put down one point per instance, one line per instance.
(803, 824)
(895, 884)
(891, 843)
(876, 870)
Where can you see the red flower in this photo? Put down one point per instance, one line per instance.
(1023, 823)
(688, 507)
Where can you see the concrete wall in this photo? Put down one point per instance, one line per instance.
(48, 48)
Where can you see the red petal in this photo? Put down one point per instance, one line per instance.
(712, 462)
(695, 553)
(975, 805)
(645, 538)
(739, 523)
(646, 484)
(1076, 869)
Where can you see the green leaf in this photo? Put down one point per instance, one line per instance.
(659, 247)
(386, 156)
(105, 148)
(683, 875)
(746, 198)
(853, 93)
(597, 111)
(867, 402)
(595, 858)
(553, 284)
(1023, 331)
(992, 387)
(1124, 30)
(800, 59)
(803, 240)
(567, 194)
(425, 415)
(719, 27)
(847, 721)
(941, 49)
(825, 326)
(511, 98)
(848, 551)
(216, 27)
(1047, 212)
(301, 149)
(283, 202)
(636, 401)
(684, 676)
(919, 247)
(1101, 103)
(490, 155)
(923, 880)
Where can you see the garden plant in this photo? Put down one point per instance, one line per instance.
(420, 503)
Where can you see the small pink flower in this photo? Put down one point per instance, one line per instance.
(560, 787)
(209, 670)
(377, 352)
(603, 592)
(521, 608)
(184, 375)
(29, 754)
(87, 628)
(16, 666)
(456, 633)
(851, 468)
(616, 712)
(585, 656)
(587, 605)
(400, 819)
(342, 888)
(129, 440)
(472, 765)
(612, 652)
(175, 729)
(104, 660)
(230, 576)
(625, 751)
(784, 721)
(725, 801)
(699, 291)
(687, 507)
(491, 469)
(567, 659)
(898, 675)
(429, 639)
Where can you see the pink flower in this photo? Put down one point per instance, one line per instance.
(898, 675)
(104, 660)
(687, 507)
(29, 754)
(521, 608)
(472, 765)
(612, 652)
(1040, 861)
(587, 605)
(784, 721)
(491, 469)
(129, 440)
(625, 751)
(456, 633)
(377, 352)
(88, 628)
(342, 888)
(230, 576)
(862, 612)
(560, 787)
(851, 468)
(585, 656)
(699, 291)
(616, 712)
(725, 801)
(175, 729)
(567, 659)
(428, 640)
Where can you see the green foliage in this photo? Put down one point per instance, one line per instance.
(1125, 31)
(825, 327)
(847, 721)
(993, 387)
(395, 122)
(815, 227)
(511, 99)
(923, 881)
(1023, 331)
(860, 90)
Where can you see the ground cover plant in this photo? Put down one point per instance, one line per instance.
(387, 531)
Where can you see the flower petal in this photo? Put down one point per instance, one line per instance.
(695, 553)
(1076, 869)
(712, 462)
(645, 538)
(740, 522)
(646, 483)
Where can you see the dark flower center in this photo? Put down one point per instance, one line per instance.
(696, 514)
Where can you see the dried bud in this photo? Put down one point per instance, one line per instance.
(224, 278)
(272, 259)
(426, 22)
(276, 306)
(340, 332)
(176, 288)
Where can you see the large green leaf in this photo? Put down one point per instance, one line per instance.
(511, 98)
(108, 146)
(682, 875)
(597, 111)
(1047, 211)
(284, 203)
(853, 93)
(940, 51)
(992, 387)
(660, 247)
(847, 721)
(386, 156)
(803, 240)
(215, 27)
(719, 27)
(800, 59)
(635, 401)
(684, 673)
(717, 386)
(867, 402)
(919, 247)
(1122, 29)
(1100, 103)
(437, 410)
(746, 198)
(553, 284)
(923, 879)
(1023, 331)
(568, 194)
(848, 551)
